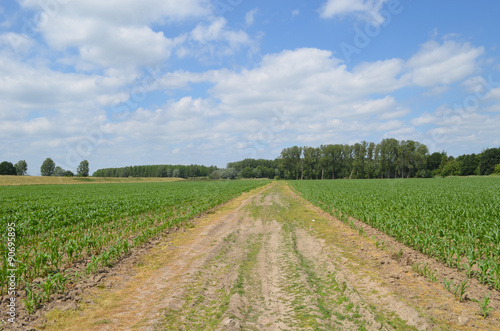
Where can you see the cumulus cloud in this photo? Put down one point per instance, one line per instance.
(306, 79)
(216, 39)
(443, 64)
(121, 34)
(367, 10)
(17, 42)
(121, 12)
(25, 87)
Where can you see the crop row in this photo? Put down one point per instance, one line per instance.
(56, 226)
(455, 220)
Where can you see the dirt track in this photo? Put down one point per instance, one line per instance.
(268, 261)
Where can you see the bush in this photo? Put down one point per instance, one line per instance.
(497, 169)
(424, 173)
(7, 168)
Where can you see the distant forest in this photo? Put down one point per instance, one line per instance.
(180, 171)
(388, 159)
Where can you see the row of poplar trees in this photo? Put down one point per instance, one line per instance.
(388, 159)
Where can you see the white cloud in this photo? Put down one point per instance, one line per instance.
(18, 42)
(367, 10)
(436, 91)
(218, 31)
(306, 80)
(443, 64)
(395, 113)
(213, 39)
(250, 17)
(121, 12)
(117, 33)
(424, 119)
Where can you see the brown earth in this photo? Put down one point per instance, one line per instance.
(269, 260)
(56, 180)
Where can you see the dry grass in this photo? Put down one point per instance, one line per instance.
(33, 180)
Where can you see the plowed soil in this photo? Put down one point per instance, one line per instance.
(269, 260)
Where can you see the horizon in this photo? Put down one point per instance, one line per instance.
(213, 82)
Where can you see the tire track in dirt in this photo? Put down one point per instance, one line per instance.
(283, 281)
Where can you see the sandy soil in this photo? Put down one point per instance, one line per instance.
(55, 180)
(269, 260)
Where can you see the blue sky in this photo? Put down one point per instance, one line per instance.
(132, 82)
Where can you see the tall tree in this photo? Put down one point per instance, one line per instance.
(83, 169)
(291, 162)
(7, 168)
(434, 160)
(389, 155)
(488, 159)
(311, 162)
(21, 168)
(48, 167)
(419, 157)
(58, 171)
(468, 164)
(370, 160)
(359, 159)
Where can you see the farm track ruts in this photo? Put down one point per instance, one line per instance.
(262, 263)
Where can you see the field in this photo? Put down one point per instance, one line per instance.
(455, 220)
(52, 180)
(267, 259)
(56, 226)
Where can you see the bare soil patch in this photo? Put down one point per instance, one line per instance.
(55, 180)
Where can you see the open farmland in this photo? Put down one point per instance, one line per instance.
(455, 220)
(268, 259)
(57, 180)
(56, 226)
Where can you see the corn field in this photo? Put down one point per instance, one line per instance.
(454, 220)
(57, 226)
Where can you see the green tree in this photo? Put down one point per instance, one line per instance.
(48, 167)
(468, 165)
(370, 160)
(83, 169)
(388, 157)
(497, 169)
(7, 168)
(21, 168)
(488, 159)
(358, 164)
(434, 160)
(257, 172)
(161, 171)
(291, 162)
(58, 171)
(247, 172)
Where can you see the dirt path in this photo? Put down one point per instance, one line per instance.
(268, 261)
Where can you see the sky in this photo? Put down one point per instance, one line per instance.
(140, 82)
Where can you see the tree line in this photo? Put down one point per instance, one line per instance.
(179, 171)
(48, 168)
(365, 160)
(388, 159)
(18, 169)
